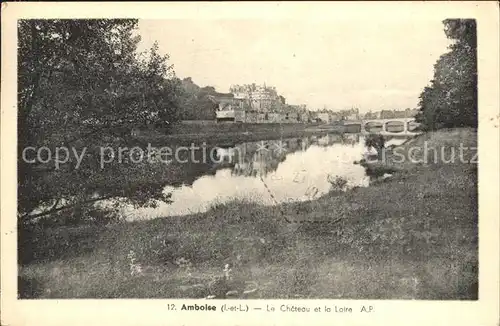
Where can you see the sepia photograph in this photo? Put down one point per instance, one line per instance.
(275, 159)
(247, 159)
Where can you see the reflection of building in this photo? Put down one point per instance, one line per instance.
(263, 157)
(259, 158)
(329, 139)
(351, 139)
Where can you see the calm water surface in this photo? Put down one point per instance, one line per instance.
(294, 169)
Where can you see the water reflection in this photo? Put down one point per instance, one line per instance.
(261, 158)
(294, 169)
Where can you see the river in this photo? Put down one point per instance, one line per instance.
(267, 172)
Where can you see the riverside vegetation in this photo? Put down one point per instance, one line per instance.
(82, 83)
(412, 236)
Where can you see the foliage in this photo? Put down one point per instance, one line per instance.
(337, 183)
(82, 84)
(451, 98)
(391, 242)
(198, 102)
(390, 114)
(376, 141)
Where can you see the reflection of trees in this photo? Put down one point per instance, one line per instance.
(258, 158)
(253, 158)
(261, 158)
(350, 139)
(189, 169)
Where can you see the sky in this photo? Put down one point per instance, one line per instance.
(335, 64)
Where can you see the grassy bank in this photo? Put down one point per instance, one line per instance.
(412, 236)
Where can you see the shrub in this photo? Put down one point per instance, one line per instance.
(337, 183)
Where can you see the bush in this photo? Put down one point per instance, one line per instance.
(337, 183)
(376, 141)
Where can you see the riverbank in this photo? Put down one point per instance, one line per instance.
(233, 133)
(411, 236)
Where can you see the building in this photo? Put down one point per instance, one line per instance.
(352, 116)
(323, 117)
(229, 109)
(326, 116)
(257, 104)
(334, 117)
(260, 98)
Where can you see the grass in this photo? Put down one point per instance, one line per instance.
(412, 236)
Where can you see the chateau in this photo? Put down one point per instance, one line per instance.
(253, 103)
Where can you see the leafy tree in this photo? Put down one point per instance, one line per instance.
(376, 141)
(451, 98)
(370, 115)
(387, 114)
(197, 102)
(82, 85)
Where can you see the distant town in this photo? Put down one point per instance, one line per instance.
(252, 103)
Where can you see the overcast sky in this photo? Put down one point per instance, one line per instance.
(337, 64)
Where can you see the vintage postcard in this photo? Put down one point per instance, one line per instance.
(278, 163)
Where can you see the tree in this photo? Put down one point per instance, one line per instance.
(82, 85)
(197, 103)
(386, 114)
(376, 141)
(368, 115)
(451, 98)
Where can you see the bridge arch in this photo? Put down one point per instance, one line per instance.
(394, 126)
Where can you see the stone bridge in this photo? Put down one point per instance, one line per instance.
(394, 126)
